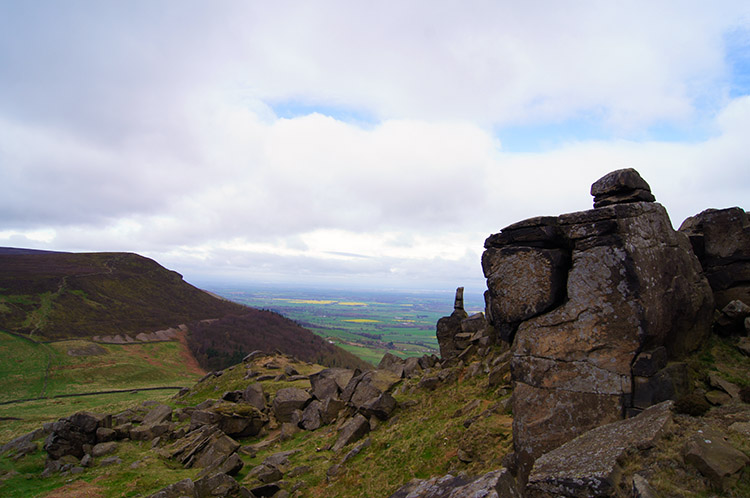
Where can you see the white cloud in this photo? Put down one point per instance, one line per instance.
(150, 127)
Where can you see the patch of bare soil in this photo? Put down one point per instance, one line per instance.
(77, 489)
(190, 362)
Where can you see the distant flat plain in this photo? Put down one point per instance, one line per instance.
(368, 323)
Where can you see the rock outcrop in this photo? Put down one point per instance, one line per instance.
(458, 332)
(449, 327)
(721, 240)
(584, 297)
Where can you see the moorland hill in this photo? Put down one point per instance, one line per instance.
(49, 296)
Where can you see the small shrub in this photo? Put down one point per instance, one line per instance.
(693, 404)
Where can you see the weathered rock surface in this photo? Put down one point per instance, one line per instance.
(288, 400)
(70, 436)
(450, 326)
(218, 485)
(588, 465)
(206, 446)
(621, 186)
(496, 484)
(354, 429)
(721, 240)
(367, 386)
(586, 297)
(329, 383)
(236, 420)
(715, 458)
(254, 395)
(24, 441)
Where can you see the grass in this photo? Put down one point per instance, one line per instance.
(141, 473)
(24, 363)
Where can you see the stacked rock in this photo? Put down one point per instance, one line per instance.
(621, 186)
(587, 297)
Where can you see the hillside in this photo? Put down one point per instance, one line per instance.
(446, 418)
(49, 296)
(217, 344)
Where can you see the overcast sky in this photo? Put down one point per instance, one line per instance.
(356, 143)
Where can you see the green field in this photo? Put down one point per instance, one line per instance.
(31, 370)
(366, 323)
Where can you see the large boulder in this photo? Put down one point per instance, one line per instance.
(721, 240)
(368, 386)
(589, 465)
(255, 396)
(329, 383)
(74, 435)
(715, 457)
(287, 401)
(590, 292)
(354, 429)
(621, 186)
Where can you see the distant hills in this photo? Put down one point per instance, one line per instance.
(48, 295)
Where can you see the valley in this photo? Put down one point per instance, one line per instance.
(365, 323)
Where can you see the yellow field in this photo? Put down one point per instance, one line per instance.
(351, 303)
(305, 301)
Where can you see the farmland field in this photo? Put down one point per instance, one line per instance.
(366, 323)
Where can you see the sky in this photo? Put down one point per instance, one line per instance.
(350, 143)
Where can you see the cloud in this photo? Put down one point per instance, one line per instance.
(341, 140)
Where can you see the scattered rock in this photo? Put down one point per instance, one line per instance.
(113, 460)
(204, 447)
(311, 416)
(393, 363)
(23, 441)
(714, 457)
(380, 407)
(329, 383)
(357, 450)
(642, 489)
(217, 485)
(353, 430)
(102, 449)
(718, 398)
(288, 400)
(496, 484)
(719, 383)
(68, 436)
(254, 395)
